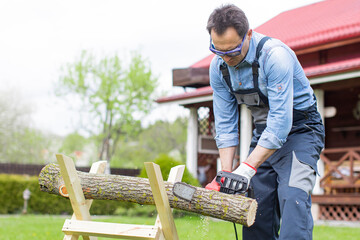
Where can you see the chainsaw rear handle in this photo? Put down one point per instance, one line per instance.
(231, 183)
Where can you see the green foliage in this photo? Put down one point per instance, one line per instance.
(137, 210)
(111, 94)
(158, 138)
(11, 201)
(164, 137)
(27, 145)
(73, 142)
(18, 142)
(166, 163)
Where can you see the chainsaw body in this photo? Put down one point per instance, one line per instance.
(231, 183)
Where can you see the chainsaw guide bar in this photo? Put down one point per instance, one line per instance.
(183, 191)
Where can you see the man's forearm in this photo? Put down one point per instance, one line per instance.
(255, 159)
(226, 157)
(259, 155)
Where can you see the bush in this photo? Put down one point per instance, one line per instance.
(166, 163)
(11, 200)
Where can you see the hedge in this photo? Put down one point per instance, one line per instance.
(11, 200)
(166, 163)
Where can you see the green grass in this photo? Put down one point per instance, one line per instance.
(189, 228)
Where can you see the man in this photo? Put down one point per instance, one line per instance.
(264, 74)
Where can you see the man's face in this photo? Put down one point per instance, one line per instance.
(229, 40)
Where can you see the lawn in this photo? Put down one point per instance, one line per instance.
(189, 228)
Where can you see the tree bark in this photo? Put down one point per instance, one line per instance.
(233, 208)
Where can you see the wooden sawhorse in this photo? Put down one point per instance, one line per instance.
(81, 225)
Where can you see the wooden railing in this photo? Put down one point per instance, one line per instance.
(342, 170)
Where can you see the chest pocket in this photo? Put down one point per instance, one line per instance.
(250, 99)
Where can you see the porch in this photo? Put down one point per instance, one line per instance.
(341, 185)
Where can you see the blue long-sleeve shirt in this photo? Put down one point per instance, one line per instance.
(281, 79)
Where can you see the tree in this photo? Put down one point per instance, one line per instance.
(158, 138)
(19, 143)
(166, 137)
(116, 98)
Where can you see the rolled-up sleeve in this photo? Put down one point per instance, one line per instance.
(225, 109)
(278, 69)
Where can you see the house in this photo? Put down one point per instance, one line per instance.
(326, 39)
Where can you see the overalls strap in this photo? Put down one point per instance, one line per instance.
(255, 69)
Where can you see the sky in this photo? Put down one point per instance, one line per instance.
(38, 37)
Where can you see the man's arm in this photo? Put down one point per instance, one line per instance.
(259, 155)
(255, 159)
(226, 157)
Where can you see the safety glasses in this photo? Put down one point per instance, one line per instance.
(232, 53)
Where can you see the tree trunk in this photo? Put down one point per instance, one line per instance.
(233, 208)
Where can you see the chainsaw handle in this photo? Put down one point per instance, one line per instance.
(231, 183)
(250, 191)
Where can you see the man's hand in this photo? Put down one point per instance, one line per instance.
(245, 170)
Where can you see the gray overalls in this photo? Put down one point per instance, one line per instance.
(283, 183)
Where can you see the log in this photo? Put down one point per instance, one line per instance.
(234, 208)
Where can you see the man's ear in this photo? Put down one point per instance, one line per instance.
(249, 34)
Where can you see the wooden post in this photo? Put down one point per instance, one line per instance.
(175, 175)
(73, 187)
(161, 201)
(97, 167)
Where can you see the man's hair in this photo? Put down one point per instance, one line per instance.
(228, 16)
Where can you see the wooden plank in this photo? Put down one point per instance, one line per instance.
(99, 168)
(175, 175)
(161, 201)
(71, 237)
(110, 230)
(339, 150)
(191, 77)
(73, 187)
(338, 199)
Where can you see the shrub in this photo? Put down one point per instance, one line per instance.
(11, 200)
(166, 163)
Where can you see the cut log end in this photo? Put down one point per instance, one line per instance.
(252, 213)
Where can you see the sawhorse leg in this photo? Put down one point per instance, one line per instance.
(165, 216)
(77, 199)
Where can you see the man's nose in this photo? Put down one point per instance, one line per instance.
(226, 58)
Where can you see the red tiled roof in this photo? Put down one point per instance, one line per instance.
(311, 25)
(204, 63)
(335, 67)
(311, 72)
(315, 24)
(199, 92)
